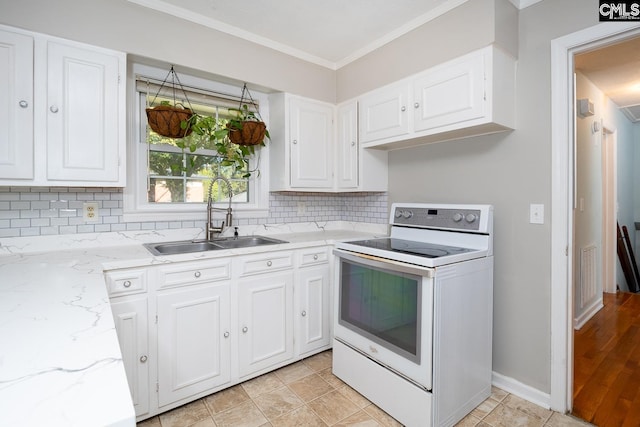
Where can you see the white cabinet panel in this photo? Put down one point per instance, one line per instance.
(83, 114)
(193, 341)
(16, 105)
(130, 317)
(265, 307)
(313, 310)
(450, 94)
(311, 144)
(384, 112)
(347, 146)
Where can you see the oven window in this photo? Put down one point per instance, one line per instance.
(383, 306)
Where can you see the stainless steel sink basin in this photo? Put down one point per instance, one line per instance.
(184, 247)
(246, 242)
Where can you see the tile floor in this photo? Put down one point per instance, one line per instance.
(306, 393)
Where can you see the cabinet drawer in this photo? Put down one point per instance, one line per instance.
(265, 263)
(313, 256)
(194, 272)
(126, 282)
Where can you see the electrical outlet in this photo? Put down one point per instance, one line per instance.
(90, 211)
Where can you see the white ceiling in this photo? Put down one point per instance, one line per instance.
(615, 70)
(330, 33)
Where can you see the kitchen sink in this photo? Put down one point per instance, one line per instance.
(189, 246)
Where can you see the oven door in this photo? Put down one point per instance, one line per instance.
(384, 309)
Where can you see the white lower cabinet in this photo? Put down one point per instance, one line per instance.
(189, 329)
(265, 309)
(131, 319)
(313, 300)
(193, 340)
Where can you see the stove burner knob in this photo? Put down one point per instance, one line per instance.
(457, 217)
(470, 217)
(398, 213)
(407, 214)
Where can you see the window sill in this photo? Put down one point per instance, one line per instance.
(196, 213)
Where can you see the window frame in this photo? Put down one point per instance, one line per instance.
(136, 207)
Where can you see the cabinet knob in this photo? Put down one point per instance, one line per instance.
(226, 334)
(315, 257)
(416, 105)
(269, 263)
(353, 143)
(127, 283)
(403, 108)
(23, 104)
(245, 329)
(143, 359)
(304, 313)
(295, 141)
(53, 109)
(197, 274)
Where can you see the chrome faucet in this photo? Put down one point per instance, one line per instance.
(228, 218)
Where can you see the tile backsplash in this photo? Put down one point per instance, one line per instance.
(35, 211)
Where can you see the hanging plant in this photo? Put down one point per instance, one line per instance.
(166, 119)
(238, 139)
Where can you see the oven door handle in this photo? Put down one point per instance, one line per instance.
(384, 263)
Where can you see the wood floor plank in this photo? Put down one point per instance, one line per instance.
(607, 364)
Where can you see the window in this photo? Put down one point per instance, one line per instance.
(170, 178)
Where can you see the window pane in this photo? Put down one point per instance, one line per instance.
(164, 190)
(165, 164)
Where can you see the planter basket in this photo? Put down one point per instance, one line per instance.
(252, 133)
(166, 120)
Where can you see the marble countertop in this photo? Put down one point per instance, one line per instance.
(60, 362)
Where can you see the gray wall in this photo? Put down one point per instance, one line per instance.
(509, 170)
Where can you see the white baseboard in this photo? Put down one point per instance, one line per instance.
(588, 314)
(524, 391)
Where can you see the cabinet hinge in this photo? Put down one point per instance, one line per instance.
(157, 387)
(156, 319)
(566, 251)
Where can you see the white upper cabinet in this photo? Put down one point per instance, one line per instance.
(62, 112)
(384, 113)
(347, 146)
(16, 105)
(83, 114)
(314, 147)
(311, 142)
(470, 95)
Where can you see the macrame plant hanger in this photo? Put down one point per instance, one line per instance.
(166, 120)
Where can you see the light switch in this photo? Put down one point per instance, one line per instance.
(536, 214)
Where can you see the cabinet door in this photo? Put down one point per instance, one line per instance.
(130, 317)
(265, 307)
(313, 308)
(16, 106)
(347, 146)
(450, 94)
(311, 144)
(384, 113)
(193, 341)
(84, 104)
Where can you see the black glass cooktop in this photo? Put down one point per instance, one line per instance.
(427, 250)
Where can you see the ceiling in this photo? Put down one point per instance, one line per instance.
(331, 33)
(615, 70)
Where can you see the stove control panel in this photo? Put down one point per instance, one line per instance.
(449, 218)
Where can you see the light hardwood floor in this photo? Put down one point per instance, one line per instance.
(606, 389)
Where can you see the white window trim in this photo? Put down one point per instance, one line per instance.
(135, 205)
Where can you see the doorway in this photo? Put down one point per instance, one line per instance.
(564, 199)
